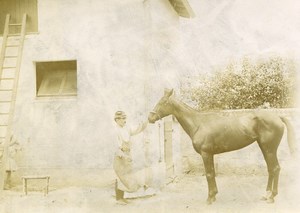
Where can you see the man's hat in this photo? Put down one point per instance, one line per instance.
(120, 114)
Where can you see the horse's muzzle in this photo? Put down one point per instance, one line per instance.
(152, 117)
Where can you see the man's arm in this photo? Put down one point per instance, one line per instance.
(141, 127)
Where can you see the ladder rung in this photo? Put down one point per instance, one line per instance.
(4, 113)
(8, 67)
(12, 45)
(18, 24)
(5, 101)
(3, 125)
(5, 79)
(15, 34)
(11, 56)
(1, 90)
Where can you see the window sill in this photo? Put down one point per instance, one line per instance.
(56, 98)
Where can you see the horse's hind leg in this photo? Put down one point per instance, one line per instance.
(270, 155)
(208, 160)
(276, 176)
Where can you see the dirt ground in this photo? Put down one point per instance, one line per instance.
(187, 193)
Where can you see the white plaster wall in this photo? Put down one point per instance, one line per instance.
(127, 52)
(112, 42)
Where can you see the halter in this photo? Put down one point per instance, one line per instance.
(156, 114)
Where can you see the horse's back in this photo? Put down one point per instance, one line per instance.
(227, 133)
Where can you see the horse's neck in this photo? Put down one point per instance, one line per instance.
(186, 116)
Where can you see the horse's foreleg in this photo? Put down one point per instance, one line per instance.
(208, 160)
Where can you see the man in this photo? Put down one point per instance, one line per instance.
(11, 165)
(127, 180)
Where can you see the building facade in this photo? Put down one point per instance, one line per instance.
(82, 61)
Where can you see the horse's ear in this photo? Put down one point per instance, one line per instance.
(168, 92)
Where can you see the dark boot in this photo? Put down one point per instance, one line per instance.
(7, 181)
(120, 195)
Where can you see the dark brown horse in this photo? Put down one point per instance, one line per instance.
(214, 134)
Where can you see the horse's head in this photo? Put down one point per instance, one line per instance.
(162, 109)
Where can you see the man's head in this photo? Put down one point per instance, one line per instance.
(120, 118)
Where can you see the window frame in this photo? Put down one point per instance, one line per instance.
(43, 78)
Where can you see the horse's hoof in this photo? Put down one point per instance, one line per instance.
(270, 200)
(209, 201)
(269, 195)
(263, 198)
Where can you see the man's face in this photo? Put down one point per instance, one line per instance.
(121, 122)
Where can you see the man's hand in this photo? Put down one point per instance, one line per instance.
(120, 153)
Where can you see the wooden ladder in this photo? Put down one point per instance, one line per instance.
(10, 61)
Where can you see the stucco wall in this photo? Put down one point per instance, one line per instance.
(112, 42)
(127, 52)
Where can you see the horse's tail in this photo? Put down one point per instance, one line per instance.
(290, 135)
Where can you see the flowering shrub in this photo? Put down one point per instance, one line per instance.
(267, 83)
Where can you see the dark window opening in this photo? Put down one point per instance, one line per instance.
(56, 78)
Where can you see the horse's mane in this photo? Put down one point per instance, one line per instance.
(202, 115)
(189, 108)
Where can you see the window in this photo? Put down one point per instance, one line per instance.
(56, 78)
(16, 9)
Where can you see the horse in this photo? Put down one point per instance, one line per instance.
(215, 134)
